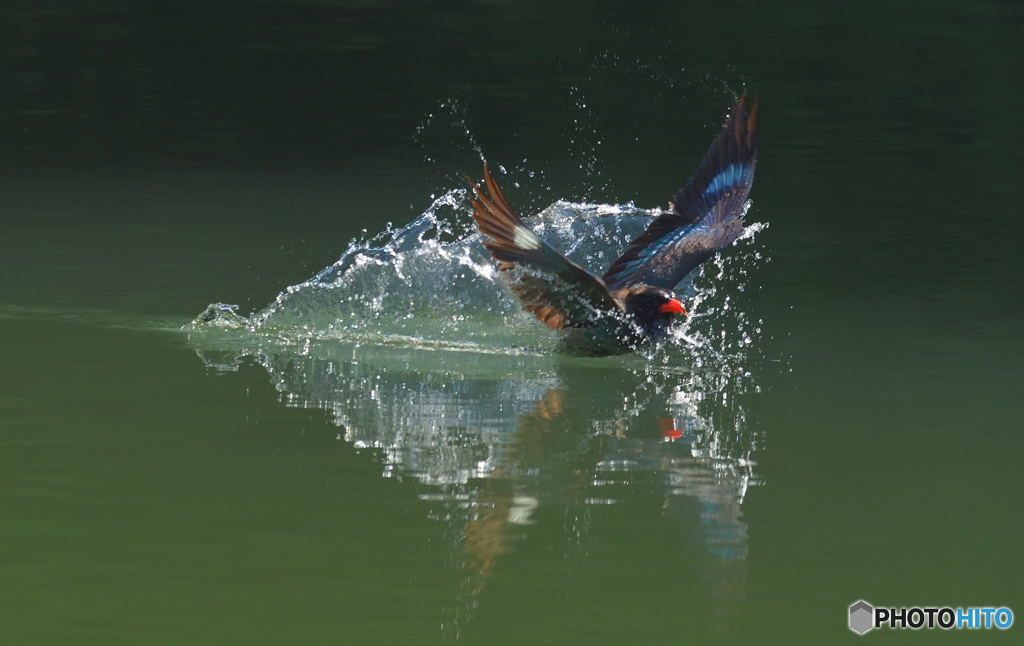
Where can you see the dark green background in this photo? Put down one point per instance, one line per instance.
(156, 156)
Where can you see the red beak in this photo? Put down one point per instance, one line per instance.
(672, 307)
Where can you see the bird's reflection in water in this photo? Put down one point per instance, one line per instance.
(495, 439)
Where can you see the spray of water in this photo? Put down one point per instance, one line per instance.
(432, 284)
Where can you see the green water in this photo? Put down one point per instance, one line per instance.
(165, 487)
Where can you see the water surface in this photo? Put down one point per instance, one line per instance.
(391, 453)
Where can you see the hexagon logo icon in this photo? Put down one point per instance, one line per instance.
(862, 617)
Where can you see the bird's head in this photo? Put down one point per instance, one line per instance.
(653, 308)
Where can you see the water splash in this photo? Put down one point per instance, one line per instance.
(432, 283)
(432, 286)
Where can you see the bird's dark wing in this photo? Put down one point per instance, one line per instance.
(706, 214)
(557, 291)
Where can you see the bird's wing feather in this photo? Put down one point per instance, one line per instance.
(554, 289)
(706, 215)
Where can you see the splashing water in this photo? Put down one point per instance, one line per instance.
(432, 283)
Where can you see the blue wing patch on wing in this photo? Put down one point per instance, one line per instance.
(733, 175)
(681, 250)
(662, 243)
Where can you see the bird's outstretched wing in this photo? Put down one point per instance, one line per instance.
(557, 291)
(706, 214)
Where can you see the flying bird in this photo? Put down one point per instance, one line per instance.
(632, 304)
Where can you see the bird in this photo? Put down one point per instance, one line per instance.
(632, 304)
